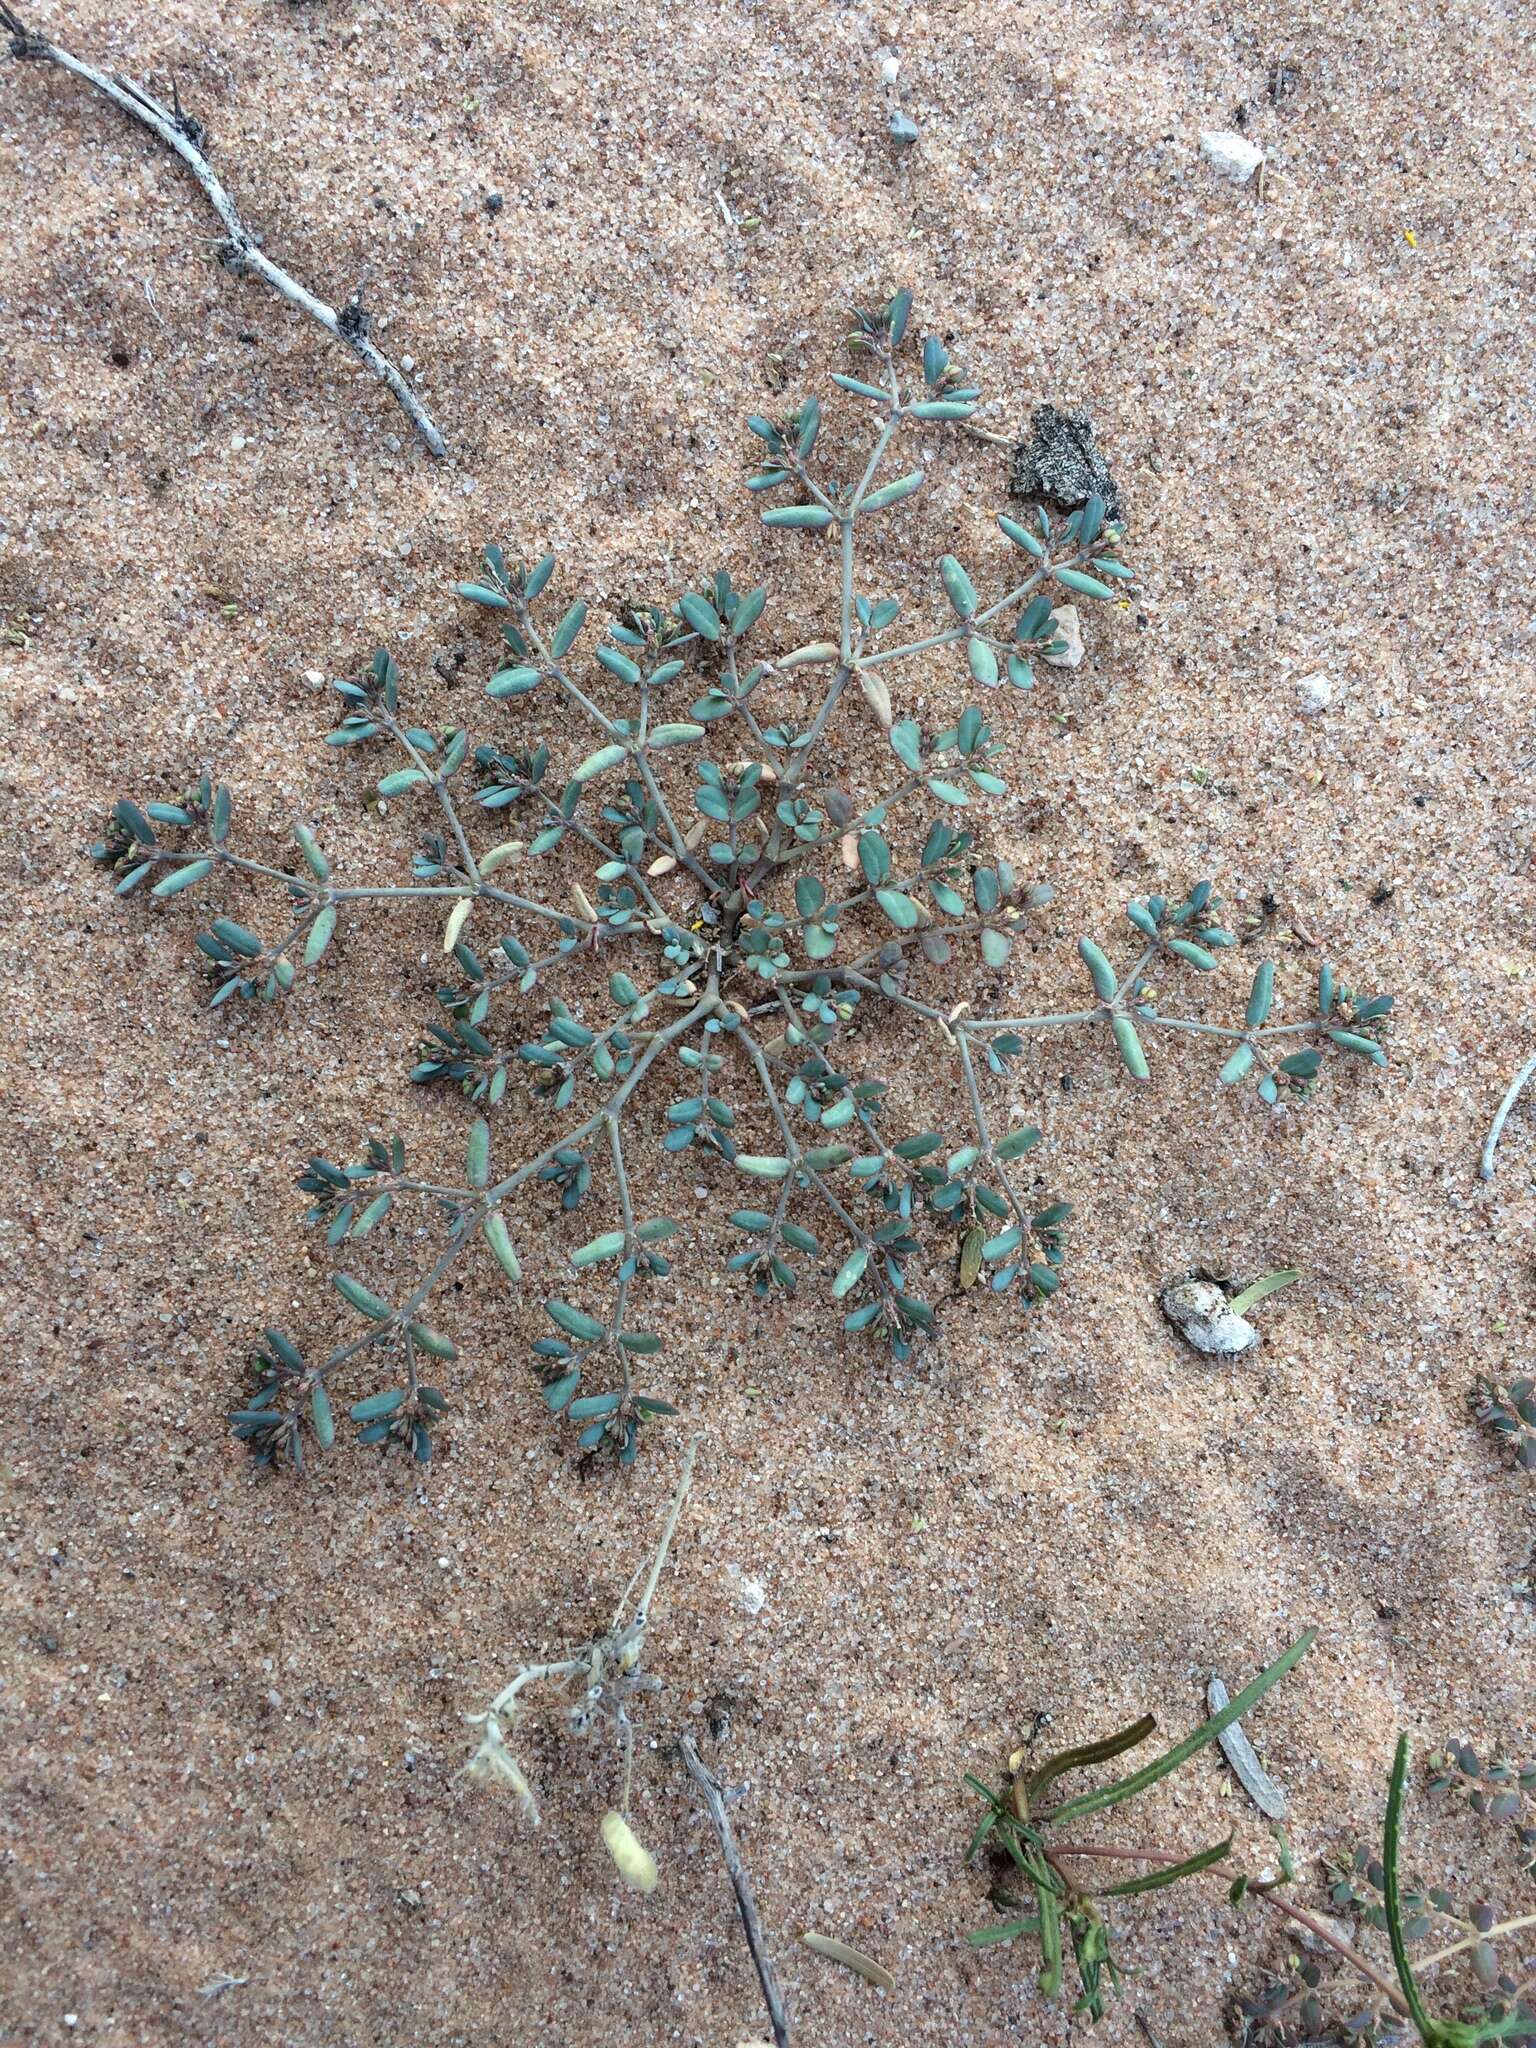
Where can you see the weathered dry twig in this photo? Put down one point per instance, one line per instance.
(241, 251)
(714, 1799)
(1500, 1120)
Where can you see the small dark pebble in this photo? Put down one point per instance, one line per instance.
(494, 202)
(1059, 463)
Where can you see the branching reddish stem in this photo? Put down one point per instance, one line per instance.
(1299, 1914)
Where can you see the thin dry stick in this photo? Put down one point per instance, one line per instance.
(1502, 1118)
(714, 1799)
(242, 251)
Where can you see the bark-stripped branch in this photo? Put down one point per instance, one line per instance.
(751, 1926)
(241, 251)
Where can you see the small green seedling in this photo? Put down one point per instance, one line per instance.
(1065, 1910)
(1510, 1412)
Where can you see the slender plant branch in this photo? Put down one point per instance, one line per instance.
(1457, 1948)
(242, 250)
(1502, 1117)
(1228, 1871)
(495, 1196)
(714, 1801)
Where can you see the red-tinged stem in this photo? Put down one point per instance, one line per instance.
(1298, 1914)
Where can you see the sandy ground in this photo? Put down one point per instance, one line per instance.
(231, 1707)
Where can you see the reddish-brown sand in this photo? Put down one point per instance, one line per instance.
(232, 1705)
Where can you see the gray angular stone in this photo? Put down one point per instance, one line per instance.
(1059, 463)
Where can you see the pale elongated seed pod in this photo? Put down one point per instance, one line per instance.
(877, 697)
(635, 1861)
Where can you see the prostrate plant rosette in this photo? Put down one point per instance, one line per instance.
(727, 928)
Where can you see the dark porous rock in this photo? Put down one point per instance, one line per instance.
(1059, 463)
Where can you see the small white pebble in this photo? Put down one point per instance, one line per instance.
(1314, 694)
(1066, 626)
(890, 70)
(236, 442)
(1230, 155)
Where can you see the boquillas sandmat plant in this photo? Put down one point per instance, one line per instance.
(743, 926)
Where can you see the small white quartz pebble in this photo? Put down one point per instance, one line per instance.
(1230, 155)
(1199, 1312)
(1314, 694)
(1066, 626)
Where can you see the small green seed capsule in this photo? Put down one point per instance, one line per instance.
(320, 934)
(1098, 966)
(958, 587)
(1130, 1048)
(1263, 994)
(762, 1167)
(495, 1233)
(1352, 1041)
(314, 859)
(1238, 1065)
(1197, 956)
(970, 1257)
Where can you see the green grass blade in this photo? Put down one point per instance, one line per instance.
(1089, 1753)
(1391, 1897)
(1050, 1944)
(1127, 1788)
(998, 1817)
(1154, 1880)
(1009, 1930)
(1270, 1284)
(989, 1819)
